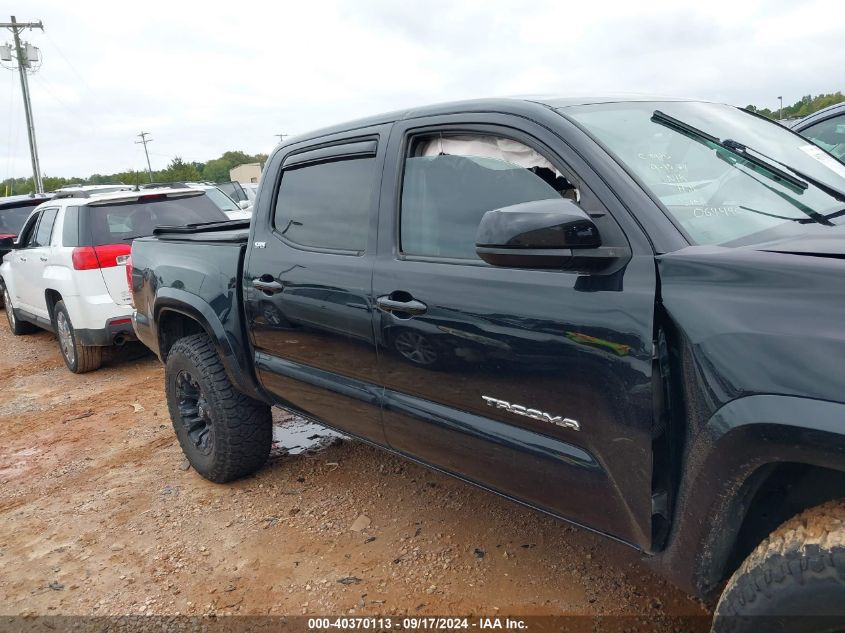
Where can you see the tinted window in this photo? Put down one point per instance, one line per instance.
(115, 223)
(830, 134)
(45, 227)
(444, 198)
(11, 220)
(327, 205)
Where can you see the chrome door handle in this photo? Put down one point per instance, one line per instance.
(411, 306)
(267, 285)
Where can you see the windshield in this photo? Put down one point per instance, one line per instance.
(223, 202)
(715, 195)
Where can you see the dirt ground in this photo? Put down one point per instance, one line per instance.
(99, 515)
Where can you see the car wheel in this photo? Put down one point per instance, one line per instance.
(16, 326)
(793, 581)
(224, 434)
(79, 358)
(416, 348)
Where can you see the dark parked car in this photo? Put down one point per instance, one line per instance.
(14, 210)
(825, 128)
(626, 313)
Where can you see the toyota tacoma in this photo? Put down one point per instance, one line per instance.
(628, 314)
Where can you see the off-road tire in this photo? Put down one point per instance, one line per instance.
(793, 581)
(240, 428)
(79, 358)
(16, 326)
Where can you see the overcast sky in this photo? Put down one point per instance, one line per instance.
(205, 77)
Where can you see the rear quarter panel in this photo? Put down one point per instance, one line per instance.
(200, 280)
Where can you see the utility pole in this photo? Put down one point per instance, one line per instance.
(146, 140)
(780, 108)
(281, 137)
(24, 62)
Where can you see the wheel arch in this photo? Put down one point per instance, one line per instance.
(177, 313)
(751, 449)
(52, 297)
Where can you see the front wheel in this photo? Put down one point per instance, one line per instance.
(79, 358)
(793, 581)
(224, 434)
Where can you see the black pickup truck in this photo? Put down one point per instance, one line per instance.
(629, 314)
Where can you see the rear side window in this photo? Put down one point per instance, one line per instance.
(45, 227)
(327, 205)
(123, 221)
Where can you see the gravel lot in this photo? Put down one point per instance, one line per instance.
(101, 516)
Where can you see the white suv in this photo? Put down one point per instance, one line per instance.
(66, 270)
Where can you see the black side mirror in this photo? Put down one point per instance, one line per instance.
(539, 234)
(7, 243)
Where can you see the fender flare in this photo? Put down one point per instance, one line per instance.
(724, 466)
(233, 354)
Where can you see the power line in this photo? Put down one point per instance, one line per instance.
(25, 54)
(145, 140)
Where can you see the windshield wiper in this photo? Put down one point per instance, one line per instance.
(738, 149)
(743, 149)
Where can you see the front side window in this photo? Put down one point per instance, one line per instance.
(45, 227)
(715, 194)
(27, 236)
(830, 134)
(327, 205)
(450, 182)
(223, 201)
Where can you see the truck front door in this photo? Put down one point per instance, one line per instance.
(308, 279)
(534, 383)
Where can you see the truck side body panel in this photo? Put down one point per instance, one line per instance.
(689, 371)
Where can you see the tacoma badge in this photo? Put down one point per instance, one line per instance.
(558, 420)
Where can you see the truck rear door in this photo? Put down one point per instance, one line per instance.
(534, 383)
(308, 279)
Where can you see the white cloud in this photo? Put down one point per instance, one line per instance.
(207, 77)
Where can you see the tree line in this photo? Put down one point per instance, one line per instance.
(215, 170)
(806, 105)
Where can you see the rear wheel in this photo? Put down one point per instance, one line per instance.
(79, 358)
(16, 326)
(224, 434)
(793, 581)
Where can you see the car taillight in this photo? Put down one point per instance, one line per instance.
(104, 256)
(129, 280)
(2, 235)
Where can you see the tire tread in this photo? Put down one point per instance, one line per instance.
(807, 547)
(242, 424)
